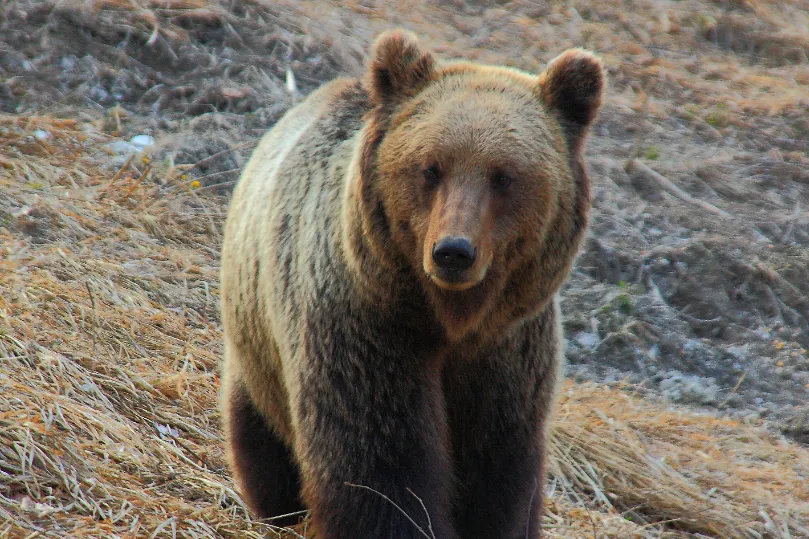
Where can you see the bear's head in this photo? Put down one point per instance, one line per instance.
(474, 178)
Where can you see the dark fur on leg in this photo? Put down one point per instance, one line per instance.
(268, 477)
(377, 405)
(497, 466)
(498, 432)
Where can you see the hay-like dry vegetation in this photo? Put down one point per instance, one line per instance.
(109, 325)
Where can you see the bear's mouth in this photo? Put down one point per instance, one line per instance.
(454, 280)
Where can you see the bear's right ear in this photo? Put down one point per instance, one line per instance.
(399, 69)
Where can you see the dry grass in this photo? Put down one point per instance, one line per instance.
(702, 474)
(108, 351)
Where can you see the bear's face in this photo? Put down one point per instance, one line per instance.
(473, 166)
(472, 171)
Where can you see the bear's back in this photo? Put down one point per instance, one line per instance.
(284, 221)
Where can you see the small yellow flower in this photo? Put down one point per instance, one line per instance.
(145, 160)
(184, 177)
(779, 345)
(195, 184)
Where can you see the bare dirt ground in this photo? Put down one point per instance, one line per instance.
(687, 314)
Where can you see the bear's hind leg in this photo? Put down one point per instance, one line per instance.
(266, 474)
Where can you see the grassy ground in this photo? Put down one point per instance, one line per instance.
(686, 314)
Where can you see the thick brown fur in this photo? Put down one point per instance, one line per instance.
(353, 359)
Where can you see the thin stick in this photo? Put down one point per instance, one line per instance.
(668, 185)
(194, 454)
(426, 513)
(530, 508)
(115, 178)
(791, 226)
(592, 523)
(402, 511)
(95, 313)
(137, 182)
(220, 153)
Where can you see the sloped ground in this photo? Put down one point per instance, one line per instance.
(692, 289)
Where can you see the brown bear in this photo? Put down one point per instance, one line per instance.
(390, 269)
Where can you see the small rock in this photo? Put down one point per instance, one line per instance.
(680, 387)
(586, 340)
(40, 509)
(141, 142)
(739, 352)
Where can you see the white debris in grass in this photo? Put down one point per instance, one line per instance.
(586, 339)
(122, 150)
(141, 142)
(292, 86)
(166, 431)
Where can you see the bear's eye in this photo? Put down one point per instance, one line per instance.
(431, 176)
(501, 181)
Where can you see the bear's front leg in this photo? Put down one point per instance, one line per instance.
(499, 403)
(371, 435)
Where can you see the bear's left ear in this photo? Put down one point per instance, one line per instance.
(399, 69)
(572, 86)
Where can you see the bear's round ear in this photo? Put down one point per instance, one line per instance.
(572, 86)
(399, 69)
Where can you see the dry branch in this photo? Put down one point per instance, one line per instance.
(668, 185)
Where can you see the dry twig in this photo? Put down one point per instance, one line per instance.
(668, 185)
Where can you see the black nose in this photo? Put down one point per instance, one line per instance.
(454, 253)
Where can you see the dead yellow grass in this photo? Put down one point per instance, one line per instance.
(108, 378)
(109, 343)
(714, 476)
